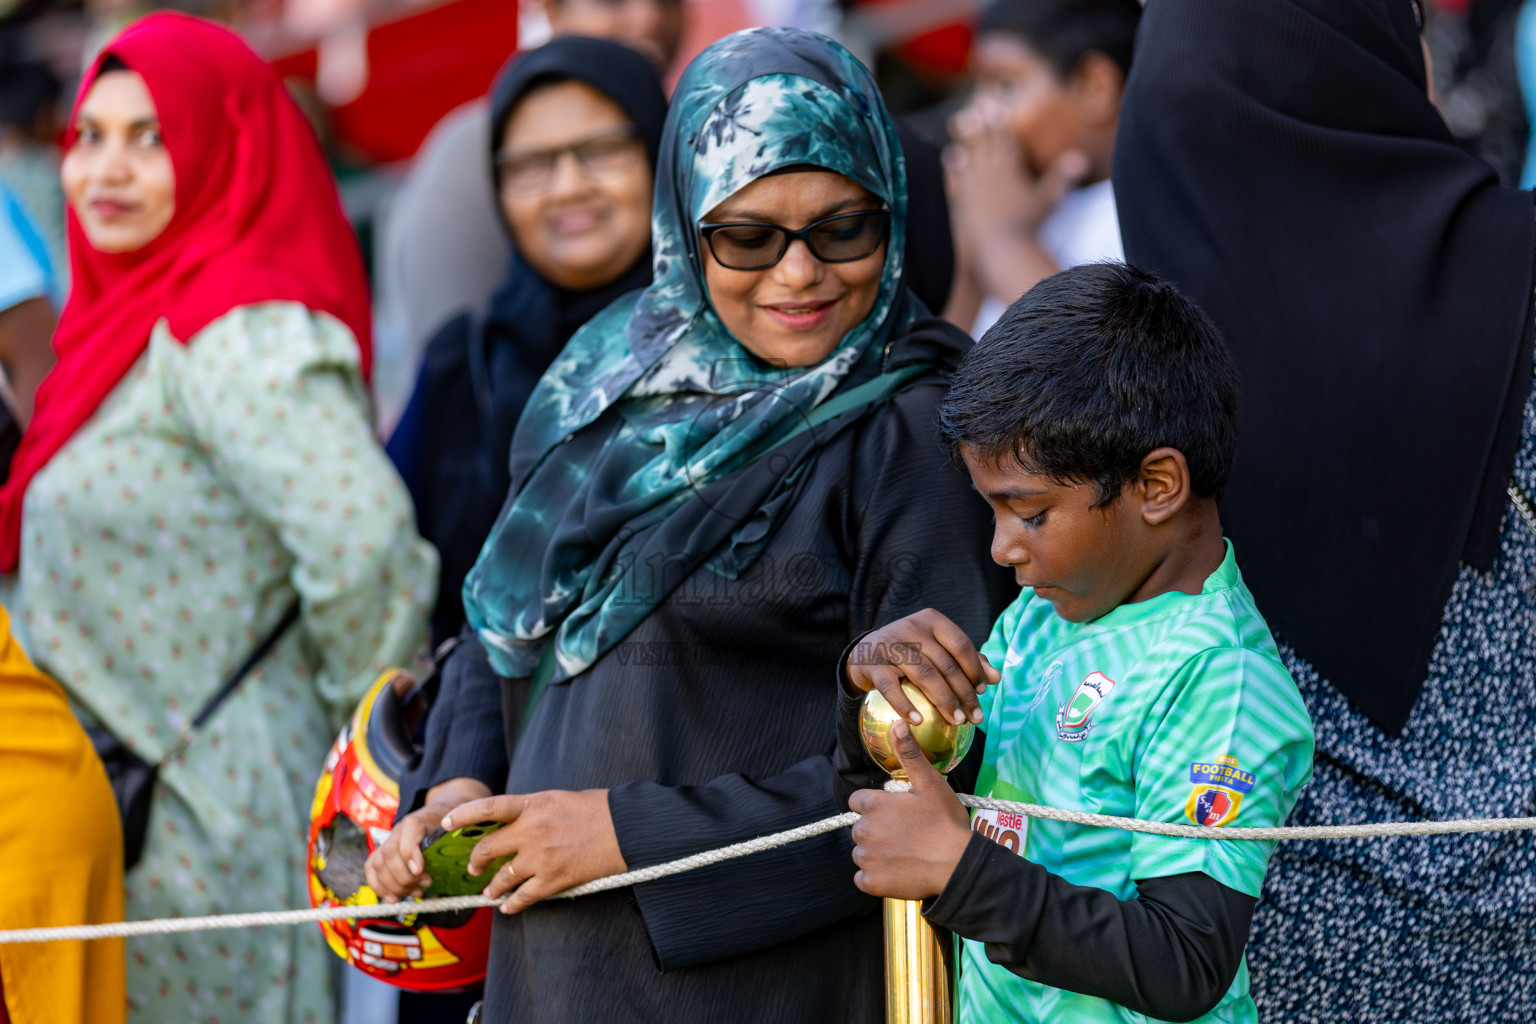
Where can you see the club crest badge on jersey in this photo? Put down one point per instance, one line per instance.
(1218, 790)
(1073, 721)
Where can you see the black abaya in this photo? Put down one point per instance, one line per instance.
(1279, 161)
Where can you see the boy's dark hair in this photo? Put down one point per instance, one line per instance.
(1066, 31)
(1092, 369)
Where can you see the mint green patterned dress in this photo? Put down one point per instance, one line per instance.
(159, 545)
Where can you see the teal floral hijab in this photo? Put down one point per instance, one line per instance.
(641, 455)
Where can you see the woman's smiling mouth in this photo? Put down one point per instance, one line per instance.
(801, 316)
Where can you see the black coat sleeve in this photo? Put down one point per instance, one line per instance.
(741, 905)
(915, 535)
(1171, 953)
(464, 736)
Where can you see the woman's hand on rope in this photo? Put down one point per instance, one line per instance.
(557, 839)
(907, 844)
(931, 652)
(397, 869)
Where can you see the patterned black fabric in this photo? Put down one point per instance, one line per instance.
(1420, 930)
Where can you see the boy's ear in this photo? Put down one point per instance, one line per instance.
(1097, 84)
(1163, 485)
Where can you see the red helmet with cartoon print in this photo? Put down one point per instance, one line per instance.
(353, 810)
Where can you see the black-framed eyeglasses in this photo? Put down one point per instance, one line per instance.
(758, 245)
(605, 155)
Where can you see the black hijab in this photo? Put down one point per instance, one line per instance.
(541, 316)
(452, 443)
(1280, 162)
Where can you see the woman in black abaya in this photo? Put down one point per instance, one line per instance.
(713, 498)
(1280, 161)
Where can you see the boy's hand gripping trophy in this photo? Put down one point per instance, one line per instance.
(917, 973)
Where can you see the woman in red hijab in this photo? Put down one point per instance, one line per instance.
(200, 456)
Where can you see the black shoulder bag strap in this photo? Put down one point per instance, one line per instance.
(133, 778)
(230, 685)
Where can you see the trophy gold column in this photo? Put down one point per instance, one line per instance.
(917, 975)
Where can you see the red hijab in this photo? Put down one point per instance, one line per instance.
(257, 219)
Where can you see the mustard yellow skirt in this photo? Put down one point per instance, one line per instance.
(63, 853)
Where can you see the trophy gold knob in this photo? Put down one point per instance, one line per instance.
(944, 742)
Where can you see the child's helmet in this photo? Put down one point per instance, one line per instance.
(353, 810)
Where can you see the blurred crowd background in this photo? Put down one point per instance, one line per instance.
(377, 76)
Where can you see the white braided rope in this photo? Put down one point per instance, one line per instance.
(260, 919)
(699, 860)
(1290, 832)
(406, 908)
(708, 857)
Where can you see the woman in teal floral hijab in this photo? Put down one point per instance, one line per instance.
(723, 481)
(655, 398)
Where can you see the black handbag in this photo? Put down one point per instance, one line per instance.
(133, 778)
(10, 438)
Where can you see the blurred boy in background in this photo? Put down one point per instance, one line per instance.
(1028, 170)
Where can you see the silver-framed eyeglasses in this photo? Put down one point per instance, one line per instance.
(604, 155)
(758, 245)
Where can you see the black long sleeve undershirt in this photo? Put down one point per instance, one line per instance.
(1171, 953)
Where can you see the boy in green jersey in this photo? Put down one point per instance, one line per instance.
(1133, 676)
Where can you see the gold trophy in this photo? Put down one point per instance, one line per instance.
(917, 976)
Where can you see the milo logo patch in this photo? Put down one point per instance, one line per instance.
(1002, 827)
(1005, 828)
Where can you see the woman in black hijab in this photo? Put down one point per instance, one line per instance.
(1280, 161)
(574, 176)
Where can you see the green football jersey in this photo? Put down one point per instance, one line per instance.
(1174, 709)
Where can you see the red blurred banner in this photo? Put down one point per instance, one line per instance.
(419, 67)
